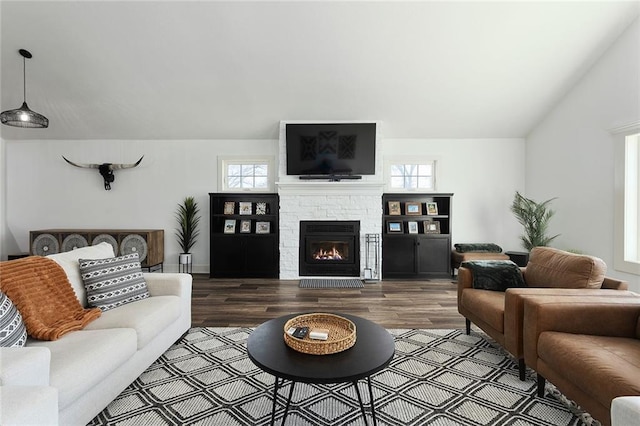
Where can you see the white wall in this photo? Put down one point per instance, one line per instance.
(45, 192)
(570, 154)
(483, 175)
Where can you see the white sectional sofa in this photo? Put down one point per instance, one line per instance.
(70, 380)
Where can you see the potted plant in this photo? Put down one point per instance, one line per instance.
(188, 219)
(535, 218)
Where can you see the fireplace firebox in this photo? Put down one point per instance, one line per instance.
(330, 247)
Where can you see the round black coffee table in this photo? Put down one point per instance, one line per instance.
(372, 352)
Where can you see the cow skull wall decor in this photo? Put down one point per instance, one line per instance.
(105, 169)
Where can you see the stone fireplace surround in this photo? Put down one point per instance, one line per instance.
(325, 201)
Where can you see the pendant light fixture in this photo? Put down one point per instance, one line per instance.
(23, 116)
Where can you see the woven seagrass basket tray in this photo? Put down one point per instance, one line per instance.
(342, 334)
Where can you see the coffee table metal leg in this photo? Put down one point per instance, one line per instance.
(286, 408)
(364, 414)
(276, 385)
(373, 407)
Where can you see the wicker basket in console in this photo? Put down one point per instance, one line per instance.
(342, 334)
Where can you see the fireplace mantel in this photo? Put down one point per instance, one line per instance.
(330, 188)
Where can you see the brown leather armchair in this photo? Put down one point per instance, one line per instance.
(549, 272)
(590, 350)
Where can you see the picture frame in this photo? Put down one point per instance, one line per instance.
(431, 227)
(263, 227)
(412, 208)
(229, 207)
(244, 207)
(261, 208)
(394, 227)
(245, 226)
(432, 208)
(229, 226)
(394, 208)
(412, 227)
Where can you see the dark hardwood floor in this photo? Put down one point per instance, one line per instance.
(392, 304)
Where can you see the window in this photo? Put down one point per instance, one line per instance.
(627, 218)
(240, 174)
(410, 175)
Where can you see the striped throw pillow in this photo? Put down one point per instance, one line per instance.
(113, 282)
(13, 333)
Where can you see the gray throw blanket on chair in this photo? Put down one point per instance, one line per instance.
(496, 275)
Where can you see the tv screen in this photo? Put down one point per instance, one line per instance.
(331, 149)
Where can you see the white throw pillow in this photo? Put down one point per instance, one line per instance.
(69, 262)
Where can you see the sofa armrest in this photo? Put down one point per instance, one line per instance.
(610, 317)
(28, 405)
(27, 366)
(169, 284)
(625, 410)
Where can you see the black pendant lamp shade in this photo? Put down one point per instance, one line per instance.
(23, 116)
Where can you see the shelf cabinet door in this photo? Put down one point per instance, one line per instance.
(433, 255)
(398, 256)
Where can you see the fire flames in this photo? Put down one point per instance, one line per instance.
(331, 254)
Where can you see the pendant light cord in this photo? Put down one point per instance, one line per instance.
(24, 79)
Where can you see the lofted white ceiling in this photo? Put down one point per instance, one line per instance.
(234, 69)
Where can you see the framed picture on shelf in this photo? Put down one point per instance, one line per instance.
(230, 226)
(412, 227)
(431, 227)
(263, 227)
(245, 226)
(261, 208)
(413, 208)
(244, 207)
(432, 208)
(394, 227)
(394, 207)
(229, 207)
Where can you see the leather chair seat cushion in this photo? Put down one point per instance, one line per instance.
(486, 305)
(604, 367)
(549, 267)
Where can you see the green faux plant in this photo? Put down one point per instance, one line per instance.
(188, 219)
(535, 218)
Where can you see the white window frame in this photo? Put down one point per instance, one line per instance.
(225, 161)
(627, 204)
(391, 161)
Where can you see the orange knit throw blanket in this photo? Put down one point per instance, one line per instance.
(41, 291)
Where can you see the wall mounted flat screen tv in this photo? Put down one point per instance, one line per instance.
(336, 149)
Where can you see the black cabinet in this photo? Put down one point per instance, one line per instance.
(244, 235)
(416, 239)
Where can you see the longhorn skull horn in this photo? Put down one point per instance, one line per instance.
(106, 169)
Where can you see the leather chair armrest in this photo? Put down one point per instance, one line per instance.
(465, 280)
(610, 317)
(612, 283)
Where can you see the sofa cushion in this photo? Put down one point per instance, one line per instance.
(114, 281)
(13, 333)
(82, 359)
(147, 317)
(549, 267)
(69, 262)
(487, 305)
(607, 366)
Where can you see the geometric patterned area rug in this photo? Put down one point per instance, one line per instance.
(330, 283)
(437, 377)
